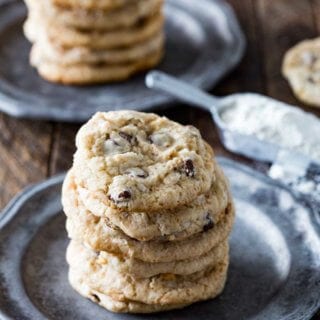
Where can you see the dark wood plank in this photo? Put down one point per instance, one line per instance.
(24, 154)
(63, 147)
(315, 6)
(283, 24)
(248, 76)
(178, 112)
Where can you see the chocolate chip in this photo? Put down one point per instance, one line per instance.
(124, 195)
(142, 175)
(189, 168)
(95, 298)
(97, 253)
(209, 223)
(108, 223)
(116, 143)
(127, 137)
(311, 80)
(121, 197)
(141, 22)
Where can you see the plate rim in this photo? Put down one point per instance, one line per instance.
(13, 207)
(19, 108)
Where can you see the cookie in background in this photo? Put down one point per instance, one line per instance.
(301, 67)
(94, 42)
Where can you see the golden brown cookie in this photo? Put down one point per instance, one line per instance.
(162, 289)
(139, 269)
(81, 74)
(125, 306)
(92, 4)
(171, 225)
(139, 161)
(127, 16)
(68, 37)
(81, 55)
(87, 228)
(301, 67)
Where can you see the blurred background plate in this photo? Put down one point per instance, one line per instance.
(204, 42)
(274, 266)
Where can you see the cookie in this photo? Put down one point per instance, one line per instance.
(142, 162)
(92, 4)
(125, 306)
(162, 289)
(87, 228)
(127, 16)
(301, 67)
(177, 224)
(139, 269)
(81, 55)
(72, 37)
(81, 74)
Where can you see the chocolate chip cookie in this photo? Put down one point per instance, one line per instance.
(142, 162)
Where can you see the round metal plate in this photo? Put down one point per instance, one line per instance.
(204, 42)
(274, 271)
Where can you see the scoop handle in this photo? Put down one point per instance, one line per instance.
(181, 90)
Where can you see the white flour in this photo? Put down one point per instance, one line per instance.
(275, 122)
(307, 183)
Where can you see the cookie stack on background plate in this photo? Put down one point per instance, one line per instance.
(149, 213)
(301, 67)
(83, 42)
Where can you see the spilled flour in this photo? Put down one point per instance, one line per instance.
(275, 122)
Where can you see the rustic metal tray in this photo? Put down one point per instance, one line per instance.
(274, 271)
(204, 41)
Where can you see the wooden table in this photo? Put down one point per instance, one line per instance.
(31, 151)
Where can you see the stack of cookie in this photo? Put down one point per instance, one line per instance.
(149, 213)
(301, 67)
(87, 41)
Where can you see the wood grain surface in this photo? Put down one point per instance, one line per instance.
(31, 151)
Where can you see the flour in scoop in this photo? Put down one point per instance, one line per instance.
(275, 122)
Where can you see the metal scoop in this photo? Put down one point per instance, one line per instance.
(247, 145)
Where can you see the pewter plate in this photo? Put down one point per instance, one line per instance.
(204, 42)
(274, 271)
